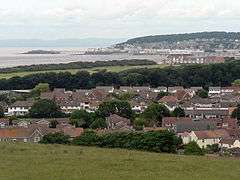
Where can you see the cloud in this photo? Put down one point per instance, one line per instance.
(70, 18)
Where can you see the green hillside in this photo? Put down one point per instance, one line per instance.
(74, 71)
(55, 162)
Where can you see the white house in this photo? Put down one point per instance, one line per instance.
(204, 138)
(214, 91)
(20, 108)
(160, 89)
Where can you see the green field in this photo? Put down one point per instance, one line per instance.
(73, 71)
(56, 162)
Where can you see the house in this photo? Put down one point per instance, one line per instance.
(20, 108)
(4, 123)
(108, 89)
(170, 123)
(21, 123)
(214, 91)
(173, 90)
(209, 137)
(115, 122)
(126, 89)
(97, 95)
(229, 123)
(20, 135)
(171, 102)
(72, 132)
(194, 90)
(229, 143)
(198, 102)
(137, 106)
(141, 88)
(159, 89)
(208, 113)
(199, 125)
(183, 95)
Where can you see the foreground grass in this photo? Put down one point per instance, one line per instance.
(74, 71)
(55, 162)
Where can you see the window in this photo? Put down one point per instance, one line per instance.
(203, 140)
(36, 139)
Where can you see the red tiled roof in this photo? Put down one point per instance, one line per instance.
(229, 141)
(169, 99)
(220, 133)
(16, 132)
(72, 132)
(174, 120)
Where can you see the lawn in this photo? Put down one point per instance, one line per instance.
(73, 71)
(56, 162)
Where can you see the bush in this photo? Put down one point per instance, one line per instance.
(88, 138)
(211, 149)
(55, 138)
(45, 109)
(192, 148)
(158, 141)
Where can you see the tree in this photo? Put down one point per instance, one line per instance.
(202, 93)
(40, 88)
(55, 138)
(154, 114)
(1, 112)
(178, 112)
(98, 123)
(236, 82)
(134, 79)
(121, 108)
(139, 124)
(45, 109)
(81, 118)
(192, 148)
(53, 123)
(236, 113)
(212, 149)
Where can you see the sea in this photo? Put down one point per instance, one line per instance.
(11, 57)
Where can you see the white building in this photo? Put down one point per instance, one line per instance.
(19, 108)
(204, 138)
(214, 91)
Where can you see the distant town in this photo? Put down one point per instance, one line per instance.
(206, 117)
(189, 49)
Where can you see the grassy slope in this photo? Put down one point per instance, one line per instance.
(91, 70)
(38, 162)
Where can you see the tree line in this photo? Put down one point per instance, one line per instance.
(192, 75)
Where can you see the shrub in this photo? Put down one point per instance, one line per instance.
(192, 148)
(158, 141)
(55, 138)
(88, 138)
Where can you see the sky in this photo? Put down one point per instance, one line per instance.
(76, 19)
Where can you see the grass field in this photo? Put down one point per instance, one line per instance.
(73, 71)
(56, 162)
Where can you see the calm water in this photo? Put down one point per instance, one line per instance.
(10, 57)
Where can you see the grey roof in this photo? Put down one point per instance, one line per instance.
(194, 126)
(215, 88)
(207, 112)
(22, 104)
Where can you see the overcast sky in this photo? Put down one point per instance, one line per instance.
(54, 19)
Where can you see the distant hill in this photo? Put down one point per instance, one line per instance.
(186, 37)
(201, 40)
